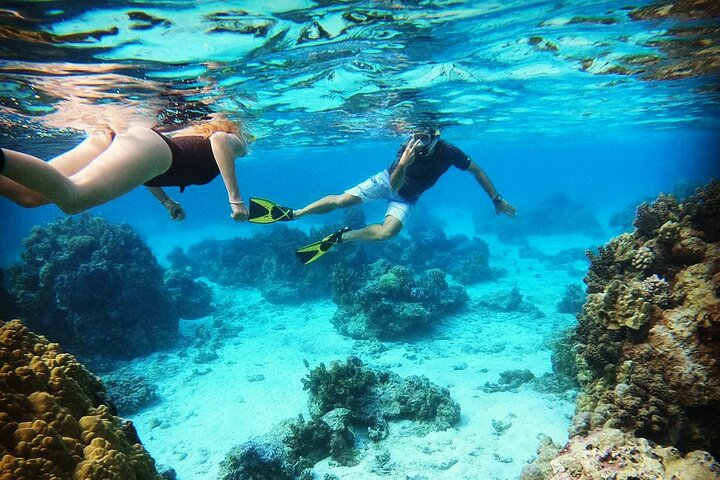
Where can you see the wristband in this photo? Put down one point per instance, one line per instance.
(497, 198)
(237, 203)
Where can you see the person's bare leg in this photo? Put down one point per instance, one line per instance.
(131, 160)
(20, 194)
(375, 232)
(35, 174)
(67, 163)
(85, 152)
(328, 204)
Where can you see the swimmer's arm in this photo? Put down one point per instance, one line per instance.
(225, 148)
(501, 206)
(397, 176)
(174, 208)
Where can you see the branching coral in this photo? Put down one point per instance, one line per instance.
(602, 267)
(344, 385)
(373, 396)
(656, 290)
(651, 216)
(53, 423)
(345, 395)
(643, 258)
(703, 211)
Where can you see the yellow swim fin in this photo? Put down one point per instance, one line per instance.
(310, 253)
(267, 211)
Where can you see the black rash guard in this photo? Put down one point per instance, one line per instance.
(193, 163)
(427, 169)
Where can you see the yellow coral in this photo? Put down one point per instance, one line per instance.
(623, 247)
(669, 232)
(643, 258)
(610, 453)
(52, 425)
(620, 305)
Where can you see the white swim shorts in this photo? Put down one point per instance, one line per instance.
(377, 187)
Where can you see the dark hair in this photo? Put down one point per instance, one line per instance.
(432, 131)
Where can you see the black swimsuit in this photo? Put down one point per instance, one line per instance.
(193, 163)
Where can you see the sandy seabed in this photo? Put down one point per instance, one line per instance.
(207, 406)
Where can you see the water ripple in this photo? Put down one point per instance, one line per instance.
(307, 72)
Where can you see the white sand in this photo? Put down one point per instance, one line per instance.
(208, 408)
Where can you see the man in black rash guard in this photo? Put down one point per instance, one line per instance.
(419, 164)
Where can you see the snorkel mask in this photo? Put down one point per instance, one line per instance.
(428, 140)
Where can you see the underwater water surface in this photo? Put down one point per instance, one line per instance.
(579, 111)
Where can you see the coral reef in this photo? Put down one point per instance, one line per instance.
(291, 450)
(467, 260)
(54, 422)
(610, 453)
(647, 336)
(265, 261)
(258, 459)
(374, 397)
(563, 359)
(539, 468)
(510, 381)
(94, 287)
(510, 301)
(388, 301)
(572, 300)
(343, 397)
(555, 214)
(128, 392)
(623, 220)
(192, 299)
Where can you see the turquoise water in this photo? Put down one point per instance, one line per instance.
(605, 103)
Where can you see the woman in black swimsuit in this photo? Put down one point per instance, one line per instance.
(105, 166)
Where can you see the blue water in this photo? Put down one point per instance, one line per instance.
(574, 98)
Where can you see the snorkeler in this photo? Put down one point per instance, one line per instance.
(419, 164)
(106, 166)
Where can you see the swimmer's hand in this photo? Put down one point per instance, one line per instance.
(408, 156)
(240, 212)
(504, 207)
(175, 210)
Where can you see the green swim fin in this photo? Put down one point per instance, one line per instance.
(310, 253)
(266, 211)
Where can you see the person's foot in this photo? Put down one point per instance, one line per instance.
(334, 238)
(267, 211)
(310, 253)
